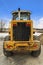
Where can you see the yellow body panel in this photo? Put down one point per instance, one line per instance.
(15, 21)
(21, 45)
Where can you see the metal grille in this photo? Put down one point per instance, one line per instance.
(21, 32)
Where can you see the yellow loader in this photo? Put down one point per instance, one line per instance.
(21, 38)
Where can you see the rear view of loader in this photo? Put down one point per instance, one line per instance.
(20, 37)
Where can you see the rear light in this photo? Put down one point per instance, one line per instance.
(9, 46)
(35, 45)
(14, 24)
(28, 24)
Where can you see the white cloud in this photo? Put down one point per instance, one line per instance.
(34, 24)
(38, 23)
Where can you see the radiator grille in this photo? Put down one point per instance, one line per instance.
(21, 32)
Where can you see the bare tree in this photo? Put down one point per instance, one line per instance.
(2, 25)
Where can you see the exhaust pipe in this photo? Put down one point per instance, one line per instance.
(19, 13)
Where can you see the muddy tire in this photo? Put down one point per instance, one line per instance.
(36, 53)
(7, 38)
(7, 53)
(35, 37)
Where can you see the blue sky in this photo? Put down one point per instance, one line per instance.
(7, 6)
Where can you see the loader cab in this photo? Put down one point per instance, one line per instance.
(21, 15)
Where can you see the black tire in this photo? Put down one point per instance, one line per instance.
(36, 53)
(7, 53)
(35, 37)
(7, 38)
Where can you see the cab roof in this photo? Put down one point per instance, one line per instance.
(22, 12)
